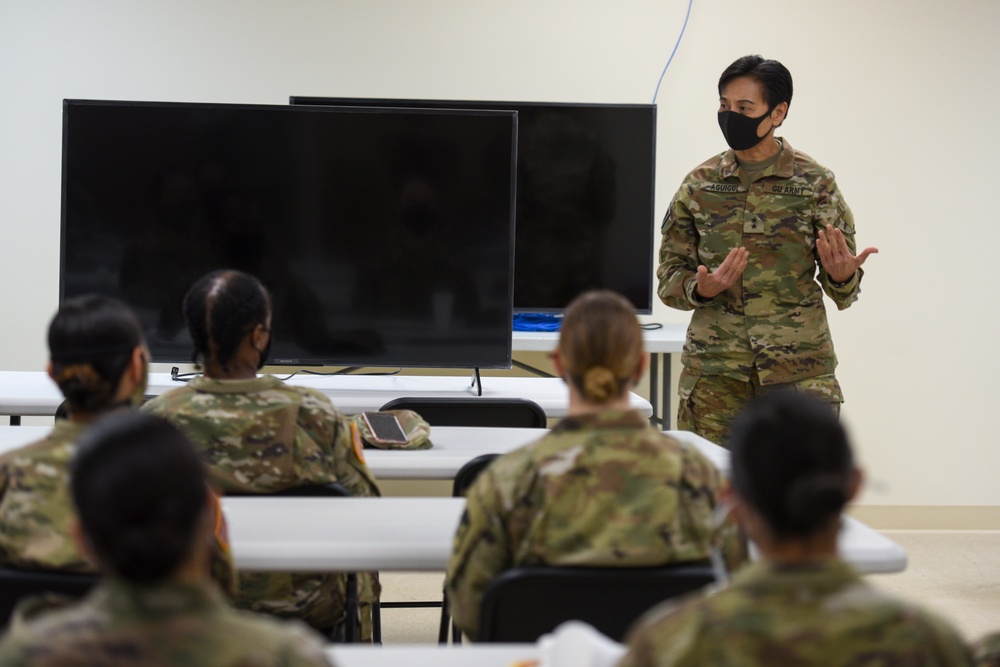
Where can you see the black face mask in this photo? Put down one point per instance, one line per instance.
(741, 131)
(265, 353)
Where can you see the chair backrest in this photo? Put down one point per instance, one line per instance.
(522, 604)
(468, 473)
(473, 411)
(16, 584)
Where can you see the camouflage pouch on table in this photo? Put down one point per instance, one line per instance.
(417, 430)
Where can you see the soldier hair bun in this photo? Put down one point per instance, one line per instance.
(600, 385)
(815, 500)
(84, 388)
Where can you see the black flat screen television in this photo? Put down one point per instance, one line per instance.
(585, 197)
(384, 235)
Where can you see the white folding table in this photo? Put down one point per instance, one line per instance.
(403, 534)
(424, 655)
(454, 446)
(34, 393)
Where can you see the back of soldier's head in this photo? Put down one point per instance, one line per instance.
(220, 309)
(91, 341)
(791, 462)
(140, 493)
(600, 345)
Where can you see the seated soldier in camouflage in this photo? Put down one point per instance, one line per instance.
(98, 358)
(146, 516)
(259, 435)
(603, 488)
(792, 475)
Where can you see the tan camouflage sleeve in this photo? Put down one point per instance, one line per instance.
(831, 209)
(701, 490)
(479, 553)
(678, 255)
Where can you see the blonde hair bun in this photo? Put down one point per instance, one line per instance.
(600, 384)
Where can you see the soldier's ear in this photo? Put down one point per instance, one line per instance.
(779, 113)
(82, 543)
(139, 361)
(50, 371)
(855, 484)
(641, 369)
(260, 337)
(557, 363)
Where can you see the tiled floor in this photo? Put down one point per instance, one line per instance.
(956, 574)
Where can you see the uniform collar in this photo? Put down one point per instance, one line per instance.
(605, 419)
(66, 430)
(819, 577)
(125, 600)
(249, 386)
(783, 168)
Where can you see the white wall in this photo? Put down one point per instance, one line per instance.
(898, 97)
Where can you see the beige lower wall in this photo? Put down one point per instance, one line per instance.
(928, 517)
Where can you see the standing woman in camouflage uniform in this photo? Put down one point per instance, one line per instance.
(792, 475)
(259, 435)
(603, 488)
(146, 515)
(751, 240)
(98, 357)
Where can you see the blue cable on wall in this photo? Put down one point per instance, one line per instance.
(683, 28)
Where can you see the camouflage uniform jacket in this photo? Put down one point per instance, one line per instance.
(169, 624)
(774, 317)
(820, 614)
(36, 509)
(262, 436)
(598, 490)
(35, 504)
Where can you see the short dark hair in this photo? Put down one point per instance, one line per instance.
(773, 77)
(791, 462)
(220, 309)
(140, 492)
(91, 339)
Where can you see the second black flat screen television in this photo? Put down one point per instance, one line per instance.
(385, 237)
(585, 189)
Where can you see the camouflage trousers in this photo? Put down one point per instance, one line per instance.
(708, 403)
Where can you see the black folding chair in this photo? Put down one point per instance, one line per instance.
(352, 628)
(473, 411)
(464, 478)
(522, 604)
(16, 584)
